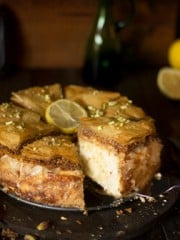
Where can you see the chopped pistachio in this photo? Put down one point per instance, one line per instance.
(112, 122)
(17, 115)
(42, 226)
(9, 123)
(124, 106)
(112, 102)
(91, 108)
(47, 98)
(29, 237)
(121, 124)
(5, 105)
(20, 127)
(100, 127)
(104, 106)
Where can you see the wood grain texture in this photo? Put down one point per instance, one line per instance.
(54, 33)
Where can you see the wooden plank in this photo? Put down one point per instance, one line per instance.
(54, 33)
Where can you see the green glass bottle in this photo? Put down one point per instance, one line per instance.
(104, 52)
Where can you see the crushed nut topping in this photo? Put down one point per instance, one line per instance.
(42, 226)
(20, 127)
(100, 127)
(95, 112)
(47, 98)
(112, 102)
(118, 121)
(9, 123)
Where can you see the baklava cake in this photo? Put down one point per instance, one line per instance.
(116, 146)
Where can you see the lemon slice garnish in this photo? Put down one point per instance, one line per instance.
(168, 81)
(65, 115)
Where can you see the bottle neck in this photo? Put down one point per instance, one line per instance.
(104, 12)
(105, 5)
(105, 2)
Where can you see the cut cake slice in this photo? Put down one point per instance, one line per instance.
(118, 143)
(46, 171)
(122, 159)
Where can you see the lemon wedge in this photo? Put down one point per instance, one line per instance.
(65, 115)
(174, 54)
(168, 81)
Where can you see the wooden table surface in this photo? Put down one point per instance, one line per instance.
(140, 86)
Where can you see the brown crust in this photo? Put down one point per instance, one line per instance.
(89, 130)
(60, 159)
(86, 133)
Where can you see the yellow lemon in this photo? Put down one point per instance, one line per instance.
(65, 114)
(174, 54)
(168, 81)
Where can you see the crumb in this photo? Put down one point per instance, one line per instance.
(78, 222)
(4, 207)
(128, 210)
(68, 231)
(42, 226)
(9, 233)
(158, 176)
(120, 233)
(119, 212)
(29, 237)
(58, 232)
(125, 211)
(142, 199)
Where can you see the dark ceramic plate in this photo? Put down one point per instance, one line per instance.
(97, 200)
(106, 218)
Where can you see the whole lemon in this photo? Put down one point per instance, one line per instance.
(174, 54)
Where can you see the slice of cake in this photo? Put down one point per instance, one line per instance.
(118, 143)
(122, 158)
(46, 171)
